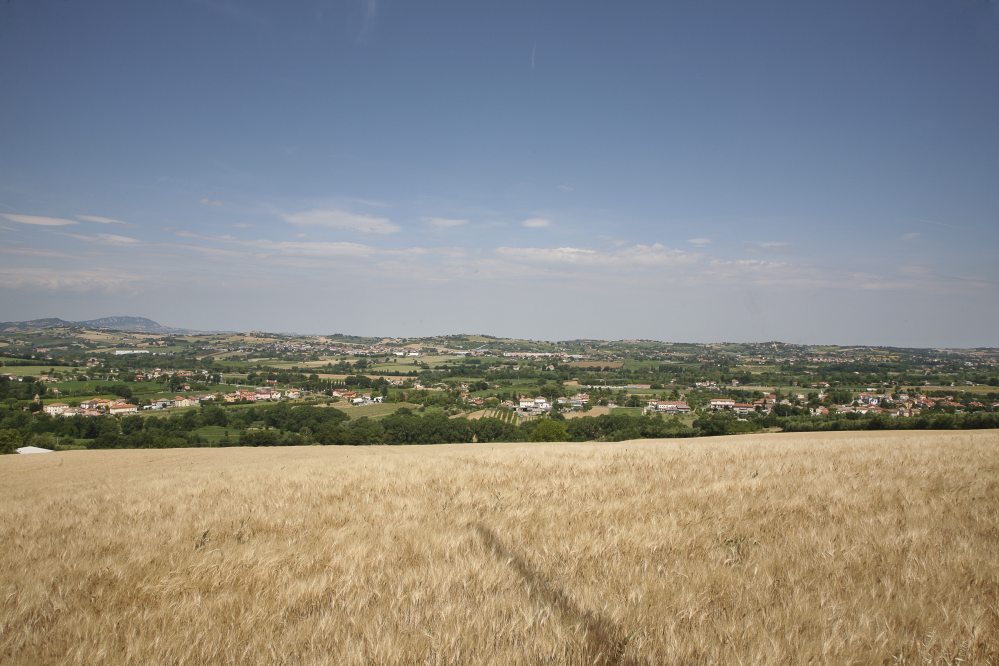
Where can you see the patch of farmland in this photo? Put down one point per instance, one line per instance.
(791, 549)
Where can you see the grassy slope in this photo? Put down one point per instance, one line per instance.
(829, 548)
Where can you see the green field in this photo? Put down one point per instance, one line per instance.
(36, 370)
(630, 411)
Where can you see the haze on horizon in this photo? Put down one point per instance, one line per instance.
(805, 172)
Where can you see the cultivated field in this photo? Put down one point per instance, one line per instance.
(840, 548)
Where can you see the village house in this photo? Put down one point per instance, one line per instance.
(55, 408)
(122, 408)
(722, 403)
(672, 407)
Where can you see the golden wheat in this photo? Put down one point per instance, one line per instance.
(839, 548)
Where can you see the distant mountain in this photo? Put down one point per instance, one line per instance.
(138, 324)
(133, 324)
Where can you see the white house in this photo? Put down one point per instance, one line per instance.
(55, 408)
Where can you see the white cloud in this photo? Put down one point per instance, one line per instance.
(41, 221)
(699, 242)
(112, 239)
(243, 225)
(536, 222)
(338, 219)
(99, 219)
(209, 202)
(566, 188)
(634, 257)
(912, 235)
(444, 222)
(105, 239)
(774, 244)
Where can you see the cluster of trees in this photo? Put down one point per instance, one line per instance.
(929, 421)
(406, 427)
(26, 389)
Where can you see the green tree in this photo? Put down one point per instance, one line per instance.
(550, 431)
(715, 423)
(10, 440)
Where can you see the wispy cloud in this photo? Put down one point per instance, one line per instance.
(209, 202)
(38, 220)
(304, 248)
(339, 219)
(939, 224)
(764, 247)
(99, 219)
(444, 222)
(112, 239)
(31, 251)
(536, 223)
(566, 188)
(370, 17)
(699, 242)
(911, 235)
(106, 239)
(81, 281)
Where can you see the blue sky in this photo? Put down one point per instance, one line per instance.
(822, 172)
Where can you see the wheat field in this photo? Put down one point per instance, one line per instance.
(819, 548)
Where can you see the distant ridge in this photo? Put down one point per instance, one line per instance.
(131, 324)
